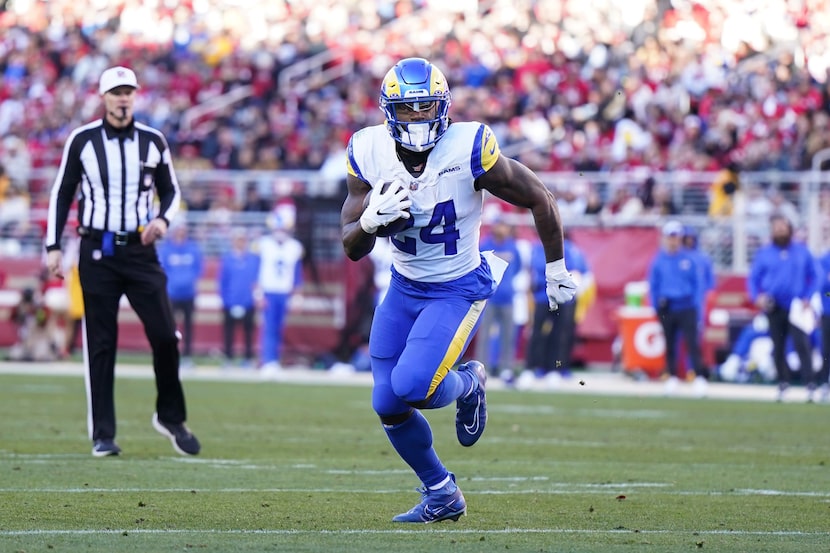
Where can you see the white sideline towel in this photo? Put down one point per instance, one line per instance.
(497, 265)
(802, 315)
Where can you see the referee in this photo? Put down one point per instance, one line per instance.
(121, 165)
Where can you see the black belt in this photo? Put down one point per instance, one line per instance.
(121, 238)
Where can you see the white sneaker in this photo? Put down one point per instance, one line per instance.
(507, 376)
(526, 380)
(342, 368)
(670, 387)
(552, 380)
(700, 386)
(270, 369)
(782, 391)
(824, 393)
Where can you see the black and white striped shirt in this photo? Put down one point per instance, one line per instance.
(119, 171)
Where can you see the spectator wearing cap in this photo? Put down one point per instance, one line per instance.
(123, 166)
(674, 286)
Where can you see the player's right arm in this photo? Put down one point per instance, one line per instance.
(356, 242)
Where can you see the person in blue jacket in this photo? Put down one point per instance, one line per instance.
(824, 289)
(674, 282)
(498, 313)
(691, 244)
(784, 271)
(553, 333)
(238, 277)
(705, 266)
(183, 261)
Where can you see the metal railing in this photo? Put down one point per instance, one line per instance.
(731, 241)
(314, 72)
(217, 103)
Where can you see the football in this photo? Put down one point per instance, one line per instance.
(396, 226)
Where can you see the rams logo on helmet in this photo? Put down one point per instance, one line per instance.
(421, 87)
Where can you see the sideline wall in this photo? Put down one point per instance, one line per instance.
(330, 316)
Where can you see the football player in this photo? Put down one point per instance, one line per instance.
(438, 172)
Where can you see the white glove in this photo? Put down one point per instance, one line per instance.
(386, 204)
(561, 287)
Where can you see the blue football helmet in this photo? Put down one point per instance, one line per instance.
(420, 85)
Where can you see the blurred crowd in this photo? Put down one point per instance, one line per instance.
(639, 86)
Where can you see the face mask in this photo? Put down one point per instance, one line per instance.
(415, 135)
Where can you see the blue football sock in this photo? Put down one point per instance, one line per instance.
(455, 385)
(412, 439)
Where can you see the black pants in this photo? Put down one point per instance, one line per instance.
(684, 322)
(185, 308)
(779, 329)
(133, 270)
(552, 337)
(823, 375)
(229, 324)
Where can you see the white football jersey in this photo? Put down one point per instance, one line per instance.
(441, 243)
(278, 264)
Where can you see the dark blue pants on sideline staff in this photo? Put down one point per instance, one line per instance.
(682, 322)
(779, 328)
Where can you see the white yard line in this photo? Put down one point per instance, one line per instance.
(554, 489)
(418, 531)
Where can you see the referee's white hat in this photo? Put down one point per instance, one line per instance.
(115, 77)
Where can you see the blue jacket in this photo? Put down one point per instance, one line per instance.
(238, 276)
(508, 251)
(674, 280)
(783, 273)
(574, 260)
(824, 282)
(707, 275)
(183, 264)
(707, 269)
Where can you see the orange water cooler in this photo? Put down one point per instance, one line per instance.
(643, 342)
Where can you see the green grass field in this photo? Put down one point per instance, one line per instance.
(290, 467)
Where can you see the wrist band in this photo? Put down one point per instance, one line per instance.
(557, 267)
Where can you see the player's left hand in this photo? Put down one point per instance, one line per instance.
(154, 230)
(561, 287)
